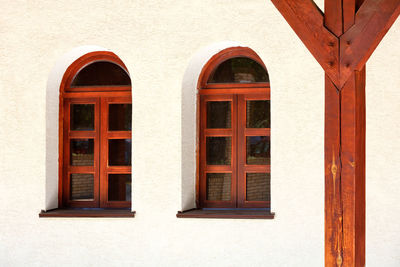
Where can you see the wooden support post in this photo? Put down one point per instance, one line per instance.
(342, 40)
(345, 172)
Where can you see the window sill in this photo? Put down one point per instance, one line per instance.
(226, 214)
(91, 213)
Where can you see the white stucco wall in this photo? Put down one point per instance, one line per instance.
(157, 40)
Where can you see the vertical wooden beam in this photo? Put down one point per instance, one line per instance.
(333, 208)
(345, 172)
(344, 154)
(353, 169)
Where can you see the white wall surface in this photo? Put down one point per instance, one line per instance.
(156, 40)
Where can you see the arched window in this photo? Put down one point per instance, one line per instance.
(234, 132)
(95, 133)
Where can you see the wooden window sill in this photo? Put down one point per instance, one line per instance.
(111, 213)
(226, 214)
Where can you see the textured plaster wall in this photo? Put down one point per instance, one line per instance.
(156, 40)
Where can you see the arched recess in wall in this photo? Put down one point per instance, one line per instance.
(90, 134)
(231, 80)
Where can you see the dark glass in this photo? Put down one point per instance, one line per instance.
(218, 150)
(82, 152)
(219, 186)
(101, 73)
(119, 152)
(258, 150)
(119, 187)
(82, 117)
(82, 186)
(219, 114)
(239, 70)
(258, 186)
(120, 117)
(258, 114)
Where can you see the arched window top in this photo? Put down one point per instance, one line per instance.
(234, 67)
(101, 73)
(239, 70)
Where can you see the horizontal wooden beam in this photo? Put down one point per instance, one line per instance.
(307, 20)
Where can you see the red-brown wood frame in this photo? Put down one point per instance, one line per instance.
(342, 40)
(100, 96)
(237, 94)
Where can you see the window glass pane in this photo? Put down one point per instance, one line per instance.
(257, 114)
(218, 150)
(239, 70)
(258, 186)
(258, 150)
(82, 152)
(219, 114)
(101, 73)
(82, 117)
(120, 117)
(119, 152)
(219, 186)
(119, 187)
(82, 186)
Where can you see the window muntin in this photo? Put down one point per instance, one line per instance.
(93, 121)
(234, 157)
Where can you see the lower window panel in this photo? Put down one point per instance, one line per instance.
(219, 186)
(119, 187)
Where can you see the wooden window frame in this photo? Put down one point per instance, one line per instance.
(238, 94)
(101, 96)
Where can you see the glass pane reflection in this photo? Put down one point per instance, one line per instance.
(120, 117)
(258, 114)
(101, 73)
(119, 187)
(258, 150)
(81, 186)
(82, 152)
(82, 117)
(219, 114)
(239, 70)
(218, 186)
(119, 152)
(257, 186)
(218, 150)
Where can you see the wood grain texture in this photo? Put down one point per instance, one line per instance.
(226, 214)
(307, 21)
(359, 25)
(373, 20)
(333, 209)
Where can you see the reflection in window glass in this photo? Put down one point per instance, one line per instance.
(82, 186)
(239, 70)
(258, 114)
(119, 187)
(101, 73)
(257, 186)
(119, 152)
(218, 150)
(120, 117)
(219, 186)
(82, 152)
(219, 114)
(82, 117)
(258, 150)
